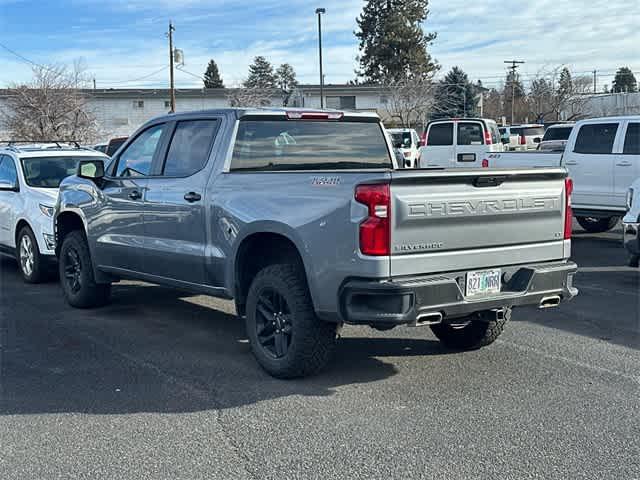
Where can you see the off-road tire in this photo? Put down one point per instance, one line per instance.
(39, 271)
(477, 334)
(89, 294)
(597, 225)
(312, 341)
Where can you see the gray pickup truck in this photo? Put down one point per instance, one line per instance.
(302, 219)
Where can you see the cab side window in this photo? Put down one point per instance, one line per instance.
(190, 147)
(632, 140)
(596, 139)
(136, 160)
(8, 172)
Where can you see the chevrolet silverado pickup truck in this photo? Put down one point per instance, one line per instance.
(307, 234)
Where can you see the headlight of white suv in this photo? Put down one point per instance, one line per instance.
(46, 210)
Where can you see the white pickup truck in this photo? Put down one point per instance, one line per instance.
(603, 159)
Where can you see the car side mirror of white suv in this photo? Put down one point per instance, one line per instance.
(91, 169)
(9, 186)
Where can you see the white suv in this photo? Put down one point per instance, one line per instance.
(29, 180)
(407, 141)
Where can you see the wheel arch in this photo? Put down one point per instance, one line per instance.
(261, 248)
(66, 222)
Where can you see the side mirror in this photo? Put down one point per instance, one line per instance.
(537, 140)
(8, 187)
(91, 169)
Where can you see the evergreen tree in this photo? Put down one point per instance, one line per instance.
(393, 45)
(260, 74)
(212, 78)
(625, 81)
(286, 78)
(455, 95)
(565, 83)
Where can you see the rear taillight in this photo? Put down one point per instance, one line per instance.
(424, 139)
(523, 140)
(487, 138)
(485, 163)
(568, 212)
(375, 231)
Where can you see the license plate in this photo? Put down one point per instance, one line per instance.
(483, 283)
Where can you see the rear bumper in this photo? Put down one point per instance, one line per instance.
(632, 237)
(406, 300)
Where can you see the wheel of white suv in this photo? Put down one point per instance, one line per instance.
(286, 337)
(30, 261)
(597, 225)
(76, 274)
(476, 332)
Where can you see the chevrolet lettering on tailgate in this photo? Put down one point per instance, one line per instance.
(482, 207)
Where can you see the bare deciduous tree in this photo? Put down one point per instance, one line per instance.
(250, 97)
(410, 101)
(557, 95)
(51, 107)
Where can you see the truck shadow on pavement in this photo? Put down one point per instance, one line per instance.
(608, 306)
(154, 350)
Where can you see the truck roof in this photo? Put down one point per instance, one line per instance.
(245, 111)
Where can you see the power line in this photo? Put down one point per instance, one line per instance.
(132, 80)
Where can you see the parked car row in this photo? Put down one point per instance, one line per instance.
(304, 234)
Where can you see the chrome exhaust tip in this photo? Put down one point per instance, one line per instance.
(550, 302)
(426, 319)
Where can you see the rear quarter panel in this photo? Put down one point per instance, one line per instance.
(315, 210)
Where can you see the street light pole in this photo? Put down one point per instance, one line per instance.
(319, 12)
(171, 79)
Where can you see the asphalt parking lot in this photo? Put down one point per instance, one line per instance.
(162, 385)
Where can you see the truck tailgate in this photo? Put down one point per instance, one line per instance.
(450, 220)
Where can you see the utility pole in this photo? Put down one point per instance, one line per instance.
(172, 88)
(514, 67)
(595, 81)
(319, 12)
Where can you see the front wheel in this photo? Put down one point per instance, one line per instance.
(30, 261)
(597, 225)
(286, 337)
(478, 331)
(76, 274)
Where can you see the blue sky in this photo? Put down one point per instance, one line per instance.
(121, 41)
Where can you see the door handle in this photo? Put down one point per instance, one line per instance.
(135, 195)
(570, 163)
(192, 197)
(624, 164)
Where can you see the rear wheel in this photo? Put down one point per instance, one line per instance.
(471, 333)
(597, 225)
(30, 262)
(76, 274)
(286, 337)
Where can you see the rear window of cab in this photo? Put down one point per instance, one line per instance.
(277, 145)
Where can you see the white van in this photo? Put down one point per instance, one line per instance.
(459, 142)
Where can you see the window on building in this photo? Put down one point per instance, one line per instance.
(342, 103)
(190, 147)
(596, 139)
(167, 104)
(138, 104)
